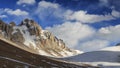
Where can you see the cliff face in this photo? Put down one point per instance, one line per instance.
(30, 35)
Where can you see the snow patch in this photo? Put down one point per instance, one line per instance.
(79, 52)
(113, 48)
(41, 52)
(14, 31)
(42, 34)
(68, 54)
(29, 39)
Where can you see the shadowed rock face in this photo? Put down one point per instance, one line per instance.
(6, 29)
(29, 34)
(32, 26)
(12, 24)
(17, 37)
(118, 44)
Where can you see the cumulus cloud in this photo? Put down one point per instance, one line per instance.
(111, 33)
(30, 2)
(115, 13)
(102, 38)
(49, 10)
(13, 15)
(84, 17)
(16, 12)
(71, 33)
(75, 34)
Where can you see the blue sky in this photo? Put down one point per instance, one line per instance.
(80, 23)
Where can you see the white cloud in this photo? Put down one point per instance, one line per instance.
(3, 16)
(16, 15)
(49, 10)
(111, 33)
(30, 2)
(115, 14)
(71, 33)
(92, 45)
(48, 4)
(16, 12)
(102, 38)
(84, 17)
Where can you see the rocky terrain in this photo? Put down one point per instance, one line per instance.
(28, 34)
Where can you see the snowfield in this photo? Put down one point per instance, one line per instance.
(105, 58)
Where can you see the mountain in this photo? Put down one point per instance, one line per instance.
(28, 34)
(105, 58)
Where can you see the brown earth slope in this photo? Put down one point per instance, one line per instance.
(14, 57)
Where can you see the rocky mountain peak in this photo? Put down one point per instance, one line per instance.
(32, 26)
(12, 24)
(30, 35)
(29, 23)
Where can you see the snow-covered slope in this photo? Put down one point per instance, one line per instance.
(112, 48)
(107, 57)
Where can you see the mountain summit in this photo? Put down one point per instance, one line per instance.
(29, 35)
